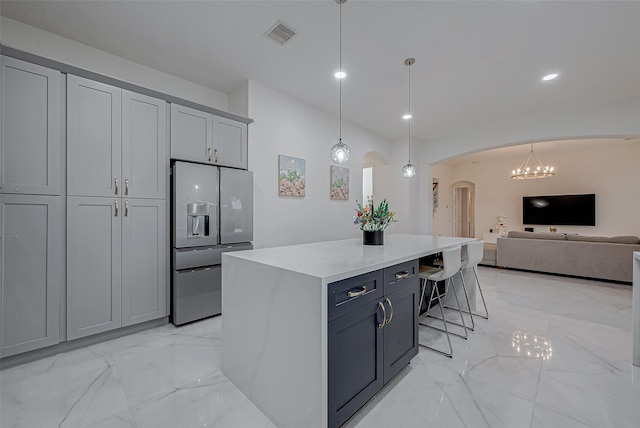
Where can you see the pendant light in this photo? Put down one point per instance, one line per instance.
(532, 167)
(340, 151)
(409, 170)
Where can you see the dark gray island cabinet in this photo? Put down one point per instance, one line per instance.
(373, 334)
(311, 332)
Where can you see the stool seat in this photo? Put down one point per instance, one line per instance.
(429, 272)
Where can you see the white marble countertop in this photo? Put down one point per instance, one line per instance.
(335, 260)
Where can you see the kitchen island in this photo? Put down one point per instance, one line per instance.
(280, 309)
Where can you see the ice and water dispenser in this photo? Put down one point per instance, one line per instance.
(198, 219)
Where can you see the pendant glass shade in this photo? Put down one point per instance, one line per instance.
(409, 170)
(340, 152)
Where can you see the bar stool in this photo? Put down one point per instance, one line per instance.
(451, 258)
(473, 257)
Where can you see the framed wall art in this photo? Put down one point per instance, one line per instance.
(339, 185)
(291, 176)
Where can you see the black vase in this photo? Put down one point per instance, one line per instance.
(374, 237)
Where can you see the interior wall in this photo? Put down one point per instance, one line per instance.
(29, 39)
(286, 126)
(611, 173)
(443, 214)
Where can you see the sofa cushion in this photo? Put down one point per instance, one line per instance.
(614, 239)
(537, 235)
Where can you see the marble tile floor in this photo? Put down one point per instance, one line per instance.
(170, 377)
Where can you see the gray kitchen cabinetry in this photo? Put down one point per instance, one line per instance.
(203, 137)
(116, 141)
(116, 263)
(144, 260)
(31, 272)
(372, 335)
(30, 114)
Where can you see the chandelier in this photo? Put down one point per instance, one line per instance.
(532, 167)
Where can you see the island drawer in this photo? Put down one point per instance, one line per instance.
(401, 275)
(351, 293)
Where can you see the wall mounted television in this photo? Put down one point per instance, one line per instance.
(560, 210)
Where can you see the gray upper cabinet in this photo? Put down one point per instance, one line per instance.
(144, 260)
(32, 266)
(93, 265)
(202, 137)
(93, 138)
(230, 142)
(191, 134)
(30, 137)
(144, 146)
(116, 142)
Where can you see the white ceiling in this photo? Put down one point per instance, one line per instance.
(476, 61)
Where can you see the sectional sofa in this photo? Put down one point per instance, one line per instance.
(599, 257)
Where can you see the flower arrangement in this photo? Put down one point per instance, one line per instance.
(372, 219)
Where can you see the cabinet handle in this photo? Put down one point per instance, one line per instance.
(216, 153)
(126, 187)
(116, 214)
(116, 181)
(351, 294)
(384, 314)
(209, 150)
(126, 213)
(391, 308)
(402, 275)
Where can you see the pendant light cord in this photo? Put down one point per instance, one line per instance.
(410, 114)
(340, 71)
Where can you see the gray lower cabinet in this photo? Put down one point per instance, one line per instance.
(94, 284)
(144, 260)
(31, 272)
(30, 137)
(116, 263)
(372, 335)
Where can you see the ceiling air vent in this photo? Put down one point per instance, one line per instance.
(280, 32)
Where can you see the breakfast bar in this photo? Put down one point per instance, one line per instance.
(296, 318)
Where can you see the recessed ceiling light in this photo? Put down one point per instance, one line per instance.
(340, 74)
(550, 76)
(406, 116)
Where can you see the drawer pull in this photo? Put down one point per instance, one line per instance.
(384, 314)
(391, 309)
(402, 275)
(351, 294)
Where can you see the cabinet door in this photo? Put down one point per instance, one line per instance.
(144, 146)
(31, 273)
(401, 329)
(355, 361)
(229, 142)
(93, 265)
(191, 134)
(93, 138)
(144, 260)
(30, 111)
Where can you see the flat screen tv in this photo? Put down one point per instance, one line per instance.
(560, 210)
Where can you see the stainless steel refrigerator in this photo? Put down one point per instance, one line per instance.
(212, 212)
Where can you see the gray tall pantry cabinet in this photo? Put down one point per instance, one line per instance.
(31, 268)
(116, 210)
